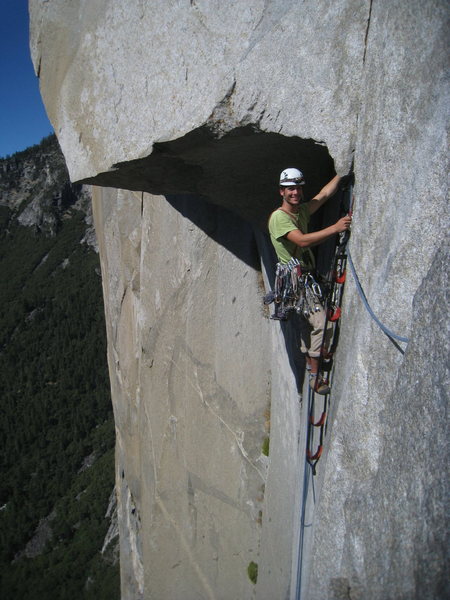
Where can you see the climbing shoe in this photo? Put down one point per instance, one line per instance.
(319, 386)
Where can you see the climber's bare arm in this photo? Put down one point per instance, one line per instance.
(325, 194)
(306, 240)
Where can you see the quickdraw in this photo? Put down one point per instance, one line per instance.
(295, 290)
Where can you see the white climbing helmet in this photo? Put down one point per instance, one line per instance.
(291, 176)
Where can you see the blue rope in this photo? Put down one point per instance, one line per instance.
(306, 475)
(383, 327)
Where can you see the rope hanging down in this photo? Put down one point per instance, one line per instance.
(381, 325)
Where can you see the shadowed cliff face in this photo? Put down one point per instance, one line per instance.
(238, 170)
(190, 112)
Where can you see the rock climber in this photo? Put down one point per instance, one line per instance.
(288, 227)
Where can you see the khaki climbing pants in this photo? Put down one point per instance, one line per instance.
(312, 334)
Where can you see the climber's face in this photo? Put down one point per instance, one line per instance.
(292, 195)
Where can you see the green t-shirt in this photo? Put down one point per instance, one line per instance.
(280, 223)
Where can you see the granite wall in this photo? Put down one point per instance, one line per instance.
(182, 114)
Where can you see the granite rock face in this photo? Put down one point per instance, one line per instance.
(183, 114)
(190, 418)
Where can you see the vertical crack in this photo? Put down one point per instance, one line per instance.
(367, 30)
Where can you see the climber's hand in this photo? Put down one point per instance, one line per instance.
(343, 224)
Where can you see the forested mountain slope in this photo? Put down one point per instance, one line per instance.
(56, 425)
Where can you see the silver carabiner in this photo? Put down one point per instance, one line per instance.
(316, 289)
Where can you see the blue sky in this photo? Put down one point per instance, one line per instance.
(23, 121)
